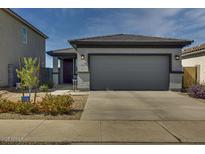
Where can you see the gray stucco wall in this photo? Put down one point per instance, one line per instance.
(83, 69)
(11, 46)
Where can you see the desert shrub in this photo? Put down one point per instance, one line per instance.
(7, 106)
(26, 108)
(44, 88)
(60, 104)
(50, 104)
(197, 91)
(17, 107)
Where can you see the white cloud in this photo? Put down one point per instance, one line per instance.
(195, 14)
(179, 23)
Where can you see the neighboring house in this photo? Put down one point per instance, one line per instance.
(18, 39)
(195, 57)
(121, 62)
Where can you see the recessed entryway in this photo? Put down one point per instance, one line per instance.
(67, 70)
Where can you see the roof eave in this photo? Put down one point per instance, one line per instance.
(56, 54)
(76, 43)
(25, 22)
(50, 53)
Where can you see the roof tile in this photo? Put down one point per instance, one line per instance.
(128, 38)
(194, 49)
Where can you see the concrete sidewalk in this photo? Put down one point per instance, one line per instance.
(85, 132)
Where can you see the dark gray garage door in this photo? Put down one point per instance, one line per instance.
(129, 72)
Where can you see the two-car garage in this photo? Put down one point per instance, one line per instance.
(129, 62)
(129, 72)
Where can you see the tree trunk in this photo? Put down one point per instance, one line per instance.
(20, 66)
(29, 93)
(22, 91)
(35, 96)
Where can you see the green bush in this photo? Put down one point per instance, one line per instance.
(26, 108)
(44, 88)
(60, 104)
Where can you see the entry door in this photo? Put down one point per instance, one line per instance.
(129, 72)
(67, 71)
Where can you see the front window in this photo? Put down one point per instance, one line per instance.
(24, 34)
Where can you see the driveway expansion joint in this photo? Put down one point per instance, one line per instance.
(34, 129)
(100, 131)
(165, 128)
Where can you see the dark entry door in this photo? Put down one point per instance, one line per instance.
(67, 70)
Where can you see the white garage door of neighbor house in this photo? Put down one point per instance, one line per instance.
(129, 72)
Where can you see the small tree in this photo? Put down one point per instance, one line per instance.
(29, 74)
(20, 73)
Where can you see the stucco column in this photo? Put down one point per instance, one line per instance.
(83, 77)
(61, 71)
(175, 81)
(55, 71)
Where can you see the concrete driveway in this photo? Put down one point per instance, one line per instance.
(142, 105)
(118, 117)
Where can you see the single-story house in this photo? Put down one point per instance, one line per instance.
(195, 57)
(18, 39)
(121, 62)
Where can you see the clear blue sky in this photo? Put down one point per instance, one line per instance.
(61, 25)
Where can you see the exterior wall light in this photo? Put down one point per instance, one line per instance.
(82, 57)
(177, 57)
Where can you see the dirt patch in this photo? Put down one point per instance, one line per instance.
(75, 114)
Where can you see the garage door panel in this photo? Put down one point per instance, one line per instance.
(129, 72)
